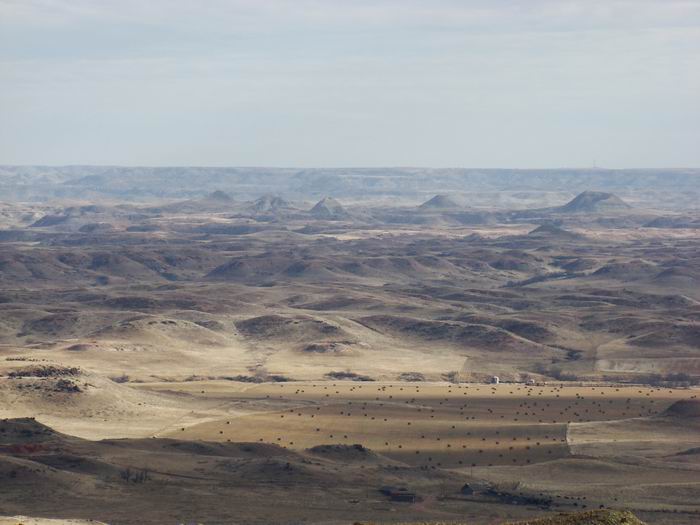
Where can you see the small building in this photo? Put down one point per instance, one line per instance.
(404, 496)
(495, 380)
(399, 494)
(467, 490)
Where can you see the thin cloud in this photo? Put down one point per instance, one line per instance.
(543, 14)
(382, 71)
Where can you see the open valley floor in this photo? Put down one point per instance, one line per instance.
(454, 358)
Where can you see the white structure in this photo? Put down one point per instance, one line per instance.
(495, 380)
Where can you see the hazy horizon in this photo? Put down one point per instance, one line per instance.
(542, 85)
(358, 167)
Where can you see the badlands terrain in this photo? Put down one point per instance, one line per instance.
(280, 347)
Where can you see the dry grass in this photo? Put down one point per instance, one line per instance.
(596, 517)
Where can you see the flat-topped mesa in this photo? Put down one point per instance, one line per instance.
(329, 208)
(594, 201)
(440, 202)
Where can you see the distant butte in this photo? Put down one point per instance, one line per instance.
(328, 208)
(594, 201)
(552, 230)
(220, 196)
(440, 202)
(268, 203)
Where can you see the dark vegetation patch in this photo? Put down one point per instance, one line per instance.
(352, 376)
(271, 378)
(45, 371)
(671, 380)
(411, 376)
(594, 517)
(242, 378)
(328, 347)
(355, 452)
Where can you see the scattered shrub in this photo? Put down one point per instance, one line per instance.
(134, 476)
(348, 375)
(45, 371)
(451, 376)
(411, 376)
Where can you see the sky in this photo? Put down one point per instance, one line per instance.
(349, 83)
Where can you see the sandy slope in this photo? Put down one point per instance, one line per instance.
(25, 520)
